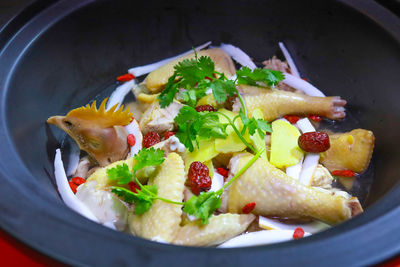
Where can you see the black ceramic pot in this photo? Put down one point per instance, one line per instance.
(56, 55)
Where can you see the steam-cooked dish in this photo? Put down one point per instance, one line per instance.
(213, 155)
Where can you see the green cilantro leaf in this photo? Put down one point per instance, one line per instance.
(167, 95)
(221, 88)
(148, 157)
(143, 199)
(203, 206)
(120, 173)
(269, 77)
(253, 124)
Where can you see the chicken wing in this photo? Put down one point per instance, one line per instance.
(276, 194)
(277, 103)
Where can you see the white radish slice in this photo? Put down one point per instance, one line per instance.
(118, 96)
(142, 70)
(305, 125)
(238, 55)
(259, 238)
(302, 85)
(217, 181)
(73, 161)
(309, 164)
(133, 128)
(271, 224)
(65, 191)
(289, 60)
(295, 170)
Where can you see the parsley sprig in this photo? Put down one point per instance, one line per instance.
(144, 197)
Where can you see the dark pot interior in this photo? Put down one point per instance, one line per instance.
(68, 53)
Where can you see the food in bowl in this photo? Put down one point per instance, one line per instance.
(212, 155)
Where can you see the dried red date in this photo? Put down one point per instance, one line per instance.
(314, 142)
(198, 178)
(150, 139)
(168, 135)
(205, 108)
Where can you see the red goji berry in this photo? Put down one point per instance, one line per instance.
(224, 172)
(249, 207)
(150, 139)
(298, 233)
(168, 134)
(198, 178)
(78, 180)
(126, 77)
(315, 118)
(314, 142)
(131, 140)
(73, 186)
(134, 187)
(292, 118)
(205, 108)
(344, 173)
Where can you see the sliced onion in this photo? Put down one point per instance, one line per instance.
(217, 182)
(142, 70)
(289, 60)
(302, 85)
(271, 224)
(118, 96)
(133, 128)
(259, 238)
(65, 191)
(238, 55)
(73, 161)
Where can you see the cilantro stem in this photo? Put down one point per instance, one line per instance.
(242, 102)
(237, 131)
(169, 201)
(242, 170)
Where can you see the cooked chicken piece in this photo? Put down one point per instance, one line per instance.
(159, 119)
(170, 145)
(276, 64)
(162, 221)
(276, 194)
(83, 168)
(351, 150)
(321, 177)
(98, 132)
(276, 103)
(156, 80)
(219, 229)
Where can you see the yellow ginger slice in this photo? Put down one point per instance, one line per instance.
(351, 150)
(277, 103)
(156, 80)
(103, 118)
(277, 194)
(162, 221)
(219, 229)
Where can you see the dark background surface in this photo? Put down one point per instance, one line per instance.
(10, 7)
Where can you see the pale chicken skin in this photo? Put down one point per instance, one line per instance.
(277, 103)
(277, 194)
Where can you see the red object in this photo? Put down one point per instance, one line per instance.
(224, 172)
(168, 135)
(78, 180)
(314, 142)
(132, 119)
(298, 233)
(131, 139)
(150, 139)
(249, 207)
(344, 173)
(73, 186)
(125, 77)
(208, 78)
(198, 178)
(134, 187)
(205, 108)
(304, 79)
(315, 118)
(292, 118)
